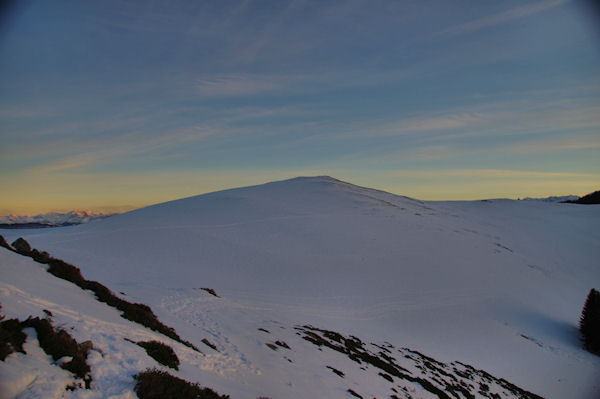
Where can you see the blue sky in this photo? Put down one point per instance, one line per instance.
(119, 104)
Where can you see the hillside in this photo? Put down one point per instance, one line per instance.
(475, 287)
(589, 199)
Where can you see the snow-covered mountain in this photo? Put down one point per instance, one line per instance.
(55, 219)
(325, 290)
(554, 198)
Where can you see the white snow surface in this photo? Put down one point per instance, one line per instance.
(496, 284)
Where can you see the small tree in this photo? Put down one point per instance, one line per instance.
(589, 323)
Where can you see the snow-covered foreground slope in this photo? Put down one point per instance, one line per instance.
(498, 285)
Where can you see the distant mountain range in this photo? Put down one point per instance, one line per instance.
(563, 198)
(52, 219)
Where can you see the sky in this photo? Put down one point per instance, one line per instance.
(113, 105)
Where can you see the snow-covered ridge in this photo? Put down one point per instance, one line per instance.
(55, 218)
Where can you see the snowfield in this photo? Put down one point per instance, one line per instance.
(441, 292)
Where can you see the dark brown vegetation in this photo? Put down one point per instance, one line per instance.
(21, 247)
(160, 352)
(55, 342)
(4, 244)
(58, 343)
(210, 291)
(271, 346)
(336, 371)
(441, 380)
(282, 344)
(156, 384)
(136, 312)
(12, 337)
(589, 323)
(209, 344)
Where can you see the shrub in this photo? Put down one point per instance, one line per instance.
(162, 353)
(210, 291)
(4, 244)
(58, 344)
(589, 323)
(65, 271)
(21, 246)
(41, 257)
(12, 337)
(282, 344)
(209, 344)
(156, 384)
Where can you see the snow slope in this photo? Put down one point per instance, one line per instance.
(495, 284)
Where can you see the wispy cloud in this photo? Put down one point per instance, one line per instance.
(441, 122)
(240, 84)
(499, 18)
(243, 84)
(579, 142)
(137, 143)
(486, 173)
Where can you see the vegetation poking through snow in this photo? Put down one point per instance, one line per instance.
(210, 291)
(441, 380)
(156, 384)
(282, 344)
(4, 244)
(589, 323)
(160, 352)
(351, 392)
(22, 247)
(59, 344)
(136, 312)
(12, 337)
(270, 345)
(55, 342)
(209, 344)
(336, 371)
